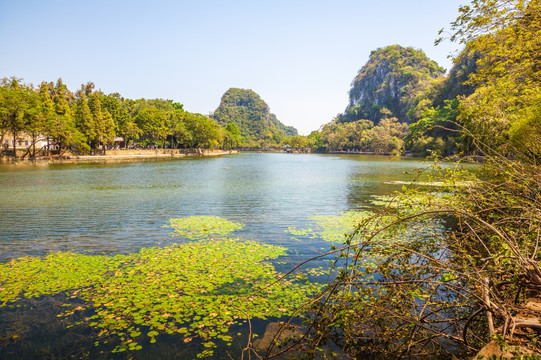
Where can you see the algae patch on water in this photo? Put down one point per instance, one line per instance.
(333, 228)
(367, 228)
(201, 227)
(198, 289)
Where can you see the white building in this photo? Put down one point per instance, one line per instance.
(24, 142)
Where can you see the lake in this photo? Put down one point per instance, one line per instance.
(121, 207)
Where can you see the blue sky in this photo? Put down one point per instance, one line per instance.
(299, 56)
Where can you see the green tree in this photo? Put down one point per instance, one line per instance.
(4, 96)
(152, 122)
(109, 133)
(94, 104)
(347, 136)
(232, 137)
(177, 129)
(21, 112)
(206, 132)
(124, 125)
(84, 119)
(314, 140)
(65, 133)
(13, 106)
(335, 136)
(436, 131)
(298, 142)
(47, 112)
(35, 119)
(387, 136)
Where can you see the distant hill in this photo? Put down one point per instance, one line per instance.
(246, 109)
(390, 84)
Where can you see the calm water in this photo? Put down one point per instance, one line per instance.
(121, 207)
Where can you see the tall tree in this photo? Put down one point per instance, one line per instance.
(109, 129)
(4, 120)
(124, 122)
(65, 133)
(47, 112)
(35, 119)
(232, 136)
(14, 103)
(83, 117)
(94, 104)
(387, 136)
(206, 132)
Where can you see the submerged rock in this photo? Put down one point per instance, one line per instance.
(279, 332)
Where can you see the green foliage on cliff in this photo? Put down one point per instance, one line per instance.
(490, 97)
(401, 84)
(252, 116)
(392, 79)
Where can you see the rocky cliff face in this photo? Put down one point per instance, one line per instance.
(246, 109)
(390, 84)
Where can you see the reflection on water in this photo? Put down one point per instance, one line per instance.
(122, 207)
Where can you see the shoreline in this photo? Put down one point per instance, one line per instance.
(120, 155)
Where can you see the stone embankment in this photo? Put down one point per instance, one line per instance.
(159, 153)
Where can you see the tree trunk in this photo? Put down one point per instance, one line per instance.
(14, 144)
(34, 137)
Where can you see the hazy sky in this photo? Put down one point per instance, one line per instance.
(299, 56)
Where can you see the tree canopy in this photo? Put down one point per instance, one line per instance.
(90, 121)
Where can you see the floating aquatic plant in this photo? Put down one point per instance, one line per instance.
(333, 228)
(362, 226)
(200, 227)
(198, 290)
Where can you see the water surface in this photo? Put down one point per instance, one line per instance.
(121, 207)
